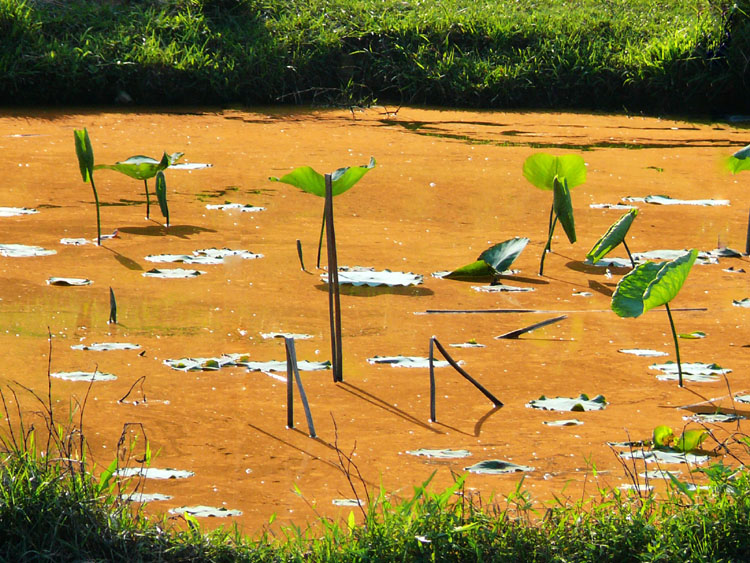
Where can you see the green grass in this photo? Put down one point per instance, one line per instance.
(662, 56)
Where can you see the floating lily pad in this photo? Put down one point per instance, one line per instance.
(23, 251)
(498, 288)
(359, 276)
(190, 166)
(469, 344)
(702, 258)
(440, 454)
(640, 487)
(173, 273)
(202, 364)
(659, 474)
(731, 270)
(742, 398)
(106, 346)
(235, 207)
(497, 467)
(566, 404)
(696, 334)
(200, 511)
(239, 360)
(645, 353)
(694, 368)
(664, 456)
(346, 502)
(714, 418)
(16, 211)
(666, 200)
(568, 422)
(408, 361)
(742, 302)
(268, 335)
(83, 376)
(153, 473)
(146, 497)
(582, 294)
(611, 206)
(208, 256)
(65, 282)
(303, 365)
(725, 252)
(75, 241)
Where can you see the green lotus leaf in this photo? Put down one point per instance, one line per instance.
(478, 269)
(564, 207)
(500, 256)
(161, 194)
(663, 436)
(141, 167)
(613, 237)
(739, 161)
(668, 281)
(310, 181)
(627, 300)
(651, 285)
(690, 440)
(541, 169)
(85, 153)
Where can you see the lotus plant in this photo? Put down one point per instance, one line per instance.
(738, 162)
(650, 285)
(85, 154)
(560, 174)
(614, 236)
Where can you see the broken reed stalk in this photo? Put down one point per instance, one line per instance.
(334, 299)
(516, 333)
(434, 341)
(292, 375)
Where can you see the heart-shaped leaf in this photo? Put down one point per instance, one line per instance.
(500, 256)
(651, 285)
(564, 207)
(310, 181)
(690, 440)
(663, 436)
(613, 237)
(541, 169)
(141, 167)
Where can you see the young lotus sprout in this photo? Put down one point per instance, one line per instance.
(559, 174)
(738, 162)
(650, 285)
(614, 236)
(85, 154)
(143, 168)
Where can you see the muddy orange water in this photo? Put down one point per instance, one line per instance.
(447, 185)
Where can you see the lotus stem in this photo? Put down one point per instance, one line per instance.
(548, 246)
(625, 244)
(334, 299)
(98, 218)
(747, 240)
(148, 200)
(550, 227)
(320, 239)
(676, 345)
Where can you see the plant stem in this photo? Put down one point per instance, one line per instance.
(676, 346)
(320, 239)
(550, 227)
(548, 246)
(334, 300)
(148, 200)
(98, 218)
(625, 244)
(747, 240)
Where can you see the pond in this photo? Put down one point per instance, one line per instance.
(188, 355)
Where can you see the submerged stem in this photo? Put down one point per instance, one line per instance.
(548, 246)
(676, 346)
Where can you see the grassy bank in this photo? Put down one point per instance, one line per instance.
(686, 56)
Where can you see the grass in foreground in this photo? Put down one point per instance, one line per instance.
(684, 56)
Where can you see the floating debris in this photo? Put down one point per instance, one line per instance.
(469, 344)
(190, 166)
(696, 371)
(269, 335)
(742, 302)
(83, 376)
(153, 473)
(666, 200)
(106, 346)
(23, 251)
(16, 211)
(664, 456)
(497, 467)
(567, 422)
(145, 497)
(695, 335)
(347, 502)
(207, 256)
(611, 206)
(359, 275)
(65, 282)
(408, 361)
(201, 511)
(567, 404)
(440, 454)
(173, 273)
(240, 360)
(645, 353)
(498, 288)
(714, 418)
(235, 207)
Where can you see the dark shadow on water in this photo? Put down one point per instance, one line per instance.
(579, 266)
(380, 403)
(157, 230)
(483, 419)
(367, 291)
(121, 203)
(600, 288)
